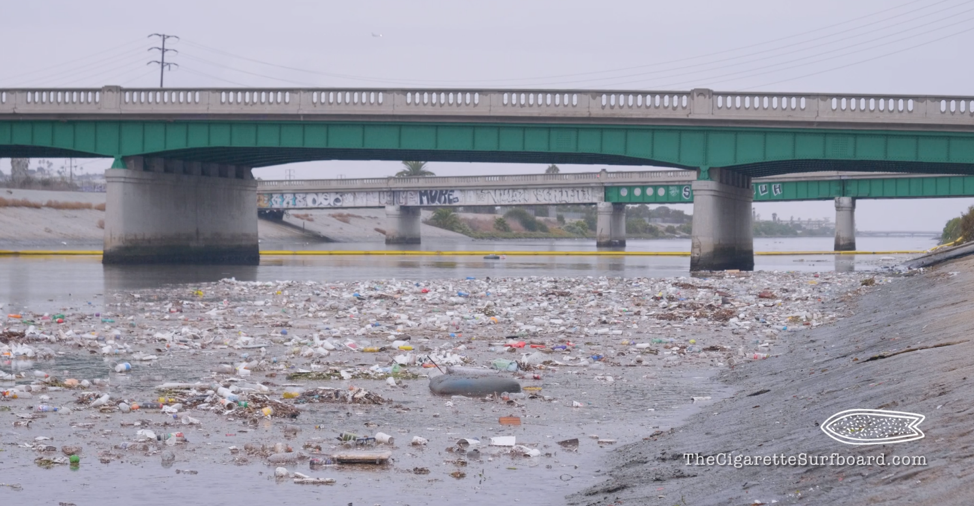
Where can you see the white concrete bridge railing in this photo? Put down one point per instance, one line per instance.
(699, 105)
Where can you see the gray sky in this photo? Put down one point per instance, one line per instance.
(868, 46)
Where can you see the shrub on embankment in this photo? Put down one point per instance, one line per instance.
(961, 226)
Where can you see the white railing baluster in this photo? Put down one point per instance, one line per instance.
(699, 105)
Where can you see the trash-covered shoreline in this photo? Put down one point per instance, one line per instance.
(905, 351)
(318, 382)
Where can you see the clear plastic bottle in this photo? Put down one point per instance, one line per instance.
(44, 408)
(227, 394)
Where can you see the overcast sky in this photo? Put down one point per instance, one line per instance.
(867, 46)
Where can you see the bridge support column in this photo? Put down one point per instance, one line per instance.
(611, 225)
(159, 212)
(845, 224)
(722, 236)
(404, 227)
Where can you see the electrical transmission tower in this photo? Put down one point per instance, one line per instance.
(163, 66)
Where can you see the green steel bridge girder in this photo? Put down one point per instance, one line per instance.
(755, 152)
(881, 188)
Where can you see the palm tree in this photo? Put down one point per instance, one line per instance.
(552, 169)
(414, 169)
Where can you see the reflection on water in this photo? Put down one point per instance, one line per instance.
(131, 277)
(845, 263)
(44, 284)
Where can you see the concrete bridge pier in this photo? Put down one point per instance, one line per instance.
(176, 212)
(611, 225)
(845, 224)
(405, 225)
(722, 236)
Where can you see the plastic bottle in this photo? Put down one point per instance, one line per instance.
(41, 374)
(101, 401)
(504, 365)
(44, 408)
(292, 392)
(227, 394)
(318, 462)
(123, 367)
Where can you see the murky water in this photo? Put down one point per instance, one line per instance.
(638, 402)
(51, 283)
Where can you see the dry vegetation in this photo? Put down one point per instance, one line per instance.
(51, 204)
(305, 217)
(344, 217)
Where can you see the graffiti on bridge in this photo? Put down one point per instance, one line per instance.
(438, 198)
(447, 197)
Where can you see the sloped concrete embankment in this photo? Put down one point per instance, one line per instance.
(908, 347)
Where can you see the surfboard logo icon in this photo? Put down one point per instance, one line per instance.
(873, 427)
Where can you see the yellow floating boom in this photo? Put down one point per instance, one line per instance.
(10, 253)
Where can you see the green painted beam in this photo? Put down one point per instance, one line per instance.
(884, 188)
(650, 194)
(752, 151)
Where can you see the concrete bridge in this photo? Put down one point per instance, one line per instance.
(180, 187)
(609, 191)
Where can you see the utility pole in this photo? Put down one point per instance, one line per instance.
(163, 66)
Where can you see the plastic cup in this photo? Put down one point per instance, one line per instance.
(468, 443)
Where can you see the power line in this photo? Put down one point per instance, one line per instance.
(110, 78)
(163, 66)
(140, 76)
(865, 60)
(750, 72)
(382, 80)
(202, 60)
(128, 61)
(770, 68)
(67, 66)
(725, 64)
(781, 66)
(191, 71)
(74, 70)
